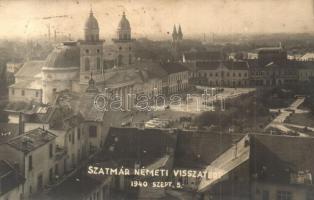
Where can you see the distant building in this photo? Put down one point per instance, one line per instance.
(177, 79)
(28, 83)
(203, 56)
(276, 55)
(221, 74)
(307, 57)
(177, 37)
(13, 67)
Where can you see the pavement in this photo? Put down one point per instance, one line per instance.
(278, 122)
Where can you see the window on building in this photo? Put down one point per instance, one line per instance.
(12, 91)
(73, 138)
(98, 50)
(87, 51)
(50, 150)
(30, 163)
(130, 59)
(284, 195)
(78, 133)
(92, 131)
(98, 64)
(240, 74)
(119, 60)
(23, 92)
(265, 195)
(57, 169)
(50, 174)
(87, 65)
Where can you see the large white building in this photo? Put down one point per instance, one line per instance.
(71, 64)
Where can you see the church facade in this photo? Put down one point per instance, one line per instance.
(71, 65)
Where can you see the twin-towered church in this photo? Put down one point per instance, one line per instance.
(84, 66)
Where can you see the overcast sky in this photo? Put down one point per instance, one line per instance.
(156, 18)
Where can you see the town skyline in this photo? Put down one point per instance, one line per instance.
(28, 19)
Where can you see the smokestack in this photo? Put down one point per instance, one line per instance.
(21, 123)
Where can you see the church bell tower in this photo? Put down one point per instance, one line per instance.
(91, 52)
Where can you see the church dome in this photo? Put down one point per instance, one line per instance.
(64, 56)
(124, 23)
(91, 22)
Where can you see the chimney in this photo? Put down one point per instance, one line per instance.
(21, 123)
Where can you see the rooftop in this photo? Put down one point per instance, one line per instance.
(129, 145)
(172, 68)
(193, 147)
(64, 56)
(75, 187)
(31, 140)
(27, 84)
(30, 69)
(9, 177)
(204, 56)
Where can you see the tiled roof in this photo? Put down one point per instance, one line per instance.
(30, 69)
(9, 177)
(206, 56)
(172, 68)
(274, 158)
(88, 110)
(129, 145)
(270, 49)
(27, 84)
(207, 65)
(75, 187)
(31, 140)
(236, 65)
(193, 148)
(231, 65)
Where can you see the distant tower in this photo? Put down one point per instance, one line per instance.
(174, 34)
(91, 52)
(180, 35)
(177, 37)
(123, 43)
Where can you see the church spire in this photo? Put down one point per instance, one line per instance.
(174, 33)
(180, 35)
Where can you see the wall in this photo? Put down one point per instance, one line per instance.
(297, 192)
(14, 194)
(15, 94)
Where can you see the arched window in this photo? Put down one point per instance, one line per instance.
(87, 65)
(130, 59)
(119, 60)
(98, 64)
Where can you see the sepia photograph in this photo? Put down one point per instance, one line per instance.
(156, 99)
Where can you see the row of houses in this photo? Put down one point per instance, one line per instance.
(254, 166)
(49, 143)
(270, 68)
